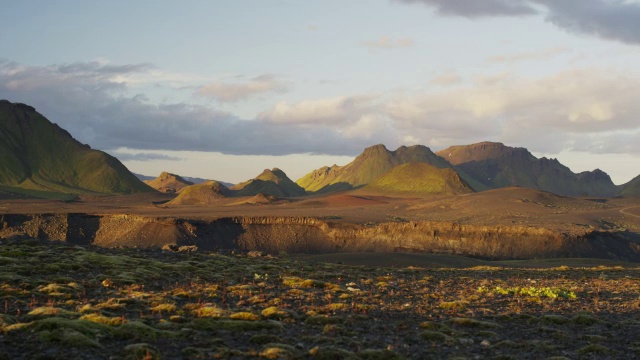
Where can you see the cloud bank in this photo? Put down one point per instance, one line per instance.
(590, 109)
(233, 92)
(607, 19)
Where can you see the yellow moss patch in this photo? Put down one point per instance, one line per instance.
(453, 305)
(273, 312)
(50, 311)
(243, 315)
(337, 306)
(167, 307)
(99, 319)
(209, 311)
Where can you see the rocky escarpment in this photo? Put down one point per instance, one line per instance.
(309, 235)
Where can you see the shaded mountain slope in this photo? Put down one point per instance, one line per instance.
(632, 188)
(496, 165)
(417, 179)
(368, 166)
(270, 182)
(168, 183)
(36, 154)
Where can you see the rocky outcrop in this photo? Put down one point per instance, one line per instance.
(310, 235)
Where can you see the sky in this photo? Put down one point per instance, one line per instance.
(224, 89)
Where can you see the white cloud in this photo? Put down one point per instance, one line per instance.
(232, 92)
(331, 111)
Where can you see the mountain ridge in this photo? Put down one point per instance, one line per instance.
(372, 163)
(39, 156)
(496, 165)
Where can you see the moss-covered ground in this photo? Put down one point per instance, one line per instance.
(64, 301)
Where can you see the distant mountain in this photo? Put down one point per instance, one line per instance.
(496, 165)
(368, 166)
(168, 183)
(418, 179)
(41, 159)
(270, 182)
(632, 188)
(197, 180)
(206, 193)
(143, 177)
(194, 180)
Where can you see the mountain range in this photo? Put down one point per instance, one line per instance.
(38, 158)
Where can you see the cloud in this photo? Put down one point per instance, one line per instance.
(387, 43)
(529, 56)
(125, 156)
(99, 110)
(476, 9)
(331, 111)
(607, 19)
(546, 114)
(233, 92)
(568, 110)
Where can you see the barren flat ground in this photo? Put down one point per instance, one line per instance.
(511, 206)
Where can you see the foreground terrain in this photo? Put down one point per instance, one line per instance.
(66, 301)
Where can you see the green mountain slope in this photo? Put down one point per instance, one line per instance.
(371, 164)
(632, 188)
(36, 155)
(496, 165)
(270, 182)
(418, 179)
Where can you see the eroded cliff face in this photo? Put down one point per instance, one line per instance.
(309, 235)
